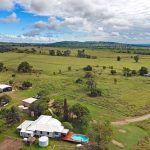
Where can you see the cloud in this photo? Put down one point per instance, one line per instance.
(10, 19)
(7, 4)
(25, 39)
(102, 19)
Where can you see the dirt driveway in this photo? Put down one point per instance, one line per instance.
(11, 144)
(131, 120)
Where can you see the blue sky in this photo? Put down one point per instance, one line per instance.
(46, 21)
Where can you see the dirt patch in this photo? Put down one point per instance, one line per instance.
(118, 144)
(122, 131)
(11, 144)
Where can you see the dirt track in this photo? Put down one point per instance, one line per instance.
(131, 120)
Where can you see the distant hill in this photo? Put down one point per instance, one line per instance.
(90, 44)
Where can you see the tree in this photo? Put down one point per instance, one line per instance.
(115, 81)
(39, 107)
(1, 66)
(24, 67)
(66, 113)
(136, 58)
(52, 52)
(118, 58)
(12, 116)
(101, 133)
(143, 71)
(80, 116)
(87, 68)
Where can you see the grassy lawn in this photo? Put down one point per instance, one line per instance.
(119, 100)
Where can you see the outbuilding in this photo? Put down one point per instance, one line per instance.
(5, 88)
(27, 102)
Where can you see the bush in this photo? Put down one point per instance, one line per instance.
(11, 82)
(95, 92)
(118, 58)
(79, 81)
(113, 72)
(104, 67)
(143, 71)
(26, 84)
(88, 68)
(5, 99)
(88, 75)
(68, 125)
(1, 67)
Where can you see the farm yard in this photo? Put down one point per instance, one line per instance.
(121, 96)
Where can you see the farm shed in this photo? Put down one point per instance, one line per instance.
(5, 88)
(43, 126)
(27, 102)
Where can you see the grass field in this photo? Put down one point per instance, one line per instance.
(120, 100)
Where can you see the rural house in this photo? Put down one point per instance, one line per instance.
(43, 126)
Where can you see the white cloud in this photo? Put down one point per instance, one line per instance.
(10, 19)
(25, 39)
(92, 16)
(7, 4)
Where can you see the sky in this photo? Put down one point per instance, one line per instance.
(48, 21)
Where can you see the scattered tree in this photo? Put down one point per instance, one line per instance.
(118, 58)
(24, 67)
(136, 58)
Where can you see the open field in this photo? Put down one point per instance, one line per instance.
(126, 98)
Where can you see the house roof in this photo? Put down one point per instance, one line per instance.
(43, 123)
(25, 125)
(3, 86)
(47, 124)
(30, 100)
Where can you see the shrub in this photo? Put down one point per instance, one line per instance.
(13, 75)
(11, 82)
(134, 72)
(26, 84)
(88, 75)
(104, 67)
(143, 71)
(113, 72)
(69, 68)
(79, 81)
(88, 68)
(95, 92)
(1, 67)
(118, 58)
(4, 100)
